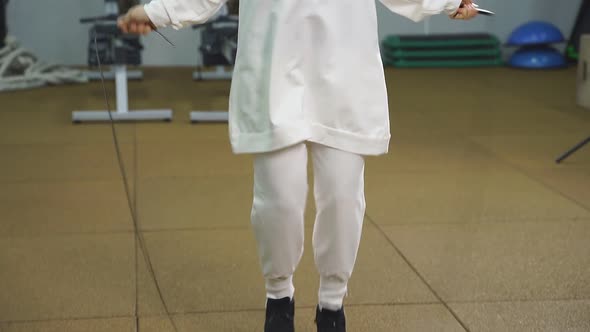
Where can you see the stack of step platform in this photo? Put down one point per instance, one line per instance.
(453, 50)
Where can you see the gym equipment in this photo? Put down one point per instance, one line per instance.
(105, 34)
(535, 33)
(445, 50)
(581, 27)
(538, 57)
(536, 38)
(106, 31)
(219, 43)
(117, 52)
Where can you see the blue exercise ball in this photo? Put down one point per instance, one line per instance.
(543, 57)
(536, 33)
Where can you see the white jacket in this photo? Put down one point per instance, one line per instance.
(306, 70)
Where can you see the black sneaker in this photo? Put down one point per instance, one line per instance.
(330, 321)
(280, 315)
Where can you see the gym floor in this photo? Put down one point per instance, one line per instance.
(470, 224)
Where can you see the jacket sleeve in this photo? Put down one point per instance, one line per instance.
(180, 13)
(417, 10)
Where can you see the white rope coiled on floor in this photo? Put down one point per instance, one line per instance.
(20, 69)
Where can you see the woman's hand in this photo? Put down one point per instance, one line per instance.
(136, 21)
(466, 11)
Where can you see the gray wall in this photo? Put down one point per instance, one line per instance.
(51, 28)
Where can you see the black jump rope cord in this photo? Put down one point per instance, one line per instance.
(136, 230)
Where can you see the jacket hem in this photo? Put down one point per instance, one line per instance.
(280, 138)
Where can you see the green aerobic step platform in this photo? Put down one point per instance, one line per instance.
(444, 63)
(467, 50)
(441, 41)
(407, 54)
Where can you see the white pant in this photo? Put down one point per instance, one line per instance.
(280, 192)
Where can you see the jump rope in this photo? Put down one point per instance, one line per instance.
(138, 236)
